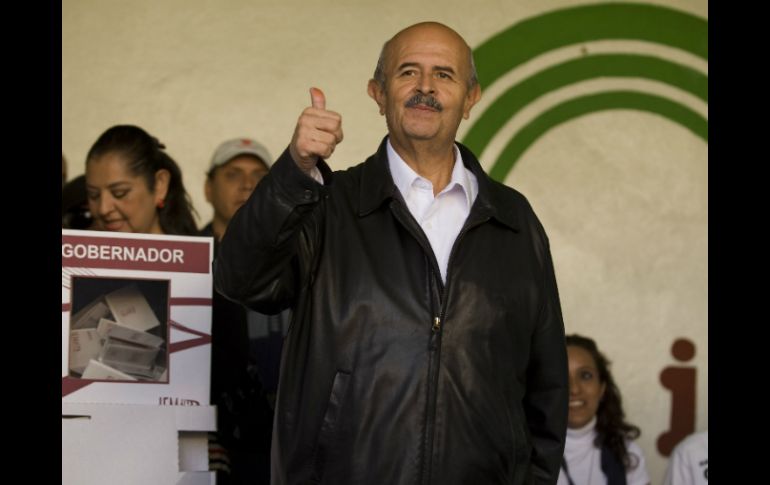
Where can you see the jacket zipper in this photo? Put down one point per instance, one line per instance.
(436, 328)
(435, 346)
(408, 221)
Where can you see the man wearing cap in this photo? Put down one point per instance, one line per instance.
(236, 168)
(246, 345)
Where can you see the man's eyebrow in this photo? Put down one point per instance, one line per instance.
(435, 68)
(407, 64)
(444, 68)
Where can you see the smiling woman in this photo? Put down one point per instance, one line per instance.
(599, 447)
(134, 186)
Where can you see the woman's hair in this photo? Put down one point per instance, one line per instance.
(611, 428)
(145, 156)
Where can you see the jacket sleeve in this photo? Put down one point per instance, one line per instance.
(547, 395)
(269, 246)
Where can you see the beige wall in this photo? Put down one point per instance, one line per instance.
(622, 194)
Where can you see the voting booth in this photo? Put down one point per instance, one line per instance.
(136, 358)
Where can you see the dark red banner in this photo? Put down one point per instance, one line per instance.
(139, 254)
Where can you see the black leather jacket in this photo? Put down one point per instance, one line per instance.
(389, 376)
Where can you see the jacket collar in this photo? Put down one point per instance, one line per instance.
(377, 186)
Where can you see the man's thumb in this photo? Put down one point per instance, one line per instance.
(317, 98)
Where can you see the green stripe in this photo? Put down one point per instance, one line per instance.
(574, 108)
(624, 21)
(516, 97)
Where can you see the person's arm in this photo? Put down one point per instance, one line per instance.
(547, 393)
(269, 246)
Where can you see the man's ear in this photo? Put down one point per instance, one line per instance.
(376, 93)
(473, 97)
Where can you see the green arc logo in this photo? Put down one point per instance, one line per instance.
(533, 37)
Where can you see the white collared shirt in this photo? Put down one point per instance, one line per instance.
(440, 217)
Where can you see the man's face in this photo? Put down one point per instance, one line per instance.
(232, 183)
(426, 91)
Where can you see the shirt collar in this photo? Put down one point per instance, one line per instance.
(586, 430)
(404, 176)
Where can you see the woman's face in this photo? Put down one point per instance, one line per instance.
(119, 200)
(585, 388)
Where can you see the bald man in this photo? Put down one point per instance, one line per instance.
(427, 343)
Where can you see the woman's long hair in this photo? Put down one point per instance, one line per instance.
(611, 428)
(146, 155)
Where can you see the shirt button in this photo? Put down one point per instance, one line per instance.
(307, 194)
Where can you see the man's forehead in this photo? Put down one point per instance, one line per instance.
(425, 34)
(427, 39)
(427, 28)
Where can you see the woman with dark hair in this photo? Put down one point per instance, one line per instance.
(134, 186)
(599, 449)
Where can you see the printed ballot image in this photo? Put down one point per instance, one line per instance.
(136, 318)
(119, 329)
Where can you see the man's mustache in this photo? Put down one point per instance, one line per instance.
(425, 99)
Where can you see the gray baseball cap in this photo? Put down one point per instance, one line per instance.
(239, 146)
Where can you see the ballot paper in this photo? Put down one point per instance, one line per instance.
(89, 315)
(85, 344)
(108, 328)
(98, 370)
(132, 359)
(130, 308)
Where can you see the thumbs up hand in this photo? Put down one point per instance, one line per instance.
(317, 133)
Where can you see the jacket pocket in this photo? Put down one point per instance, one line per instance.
(522, 448)
(329, 426)
(522, 442)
